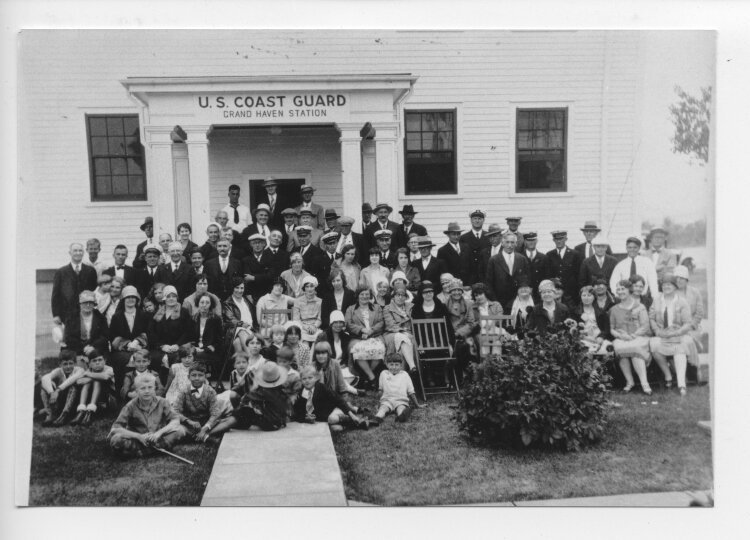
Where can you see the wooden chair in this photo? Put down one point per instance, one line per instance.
(490, 334)
(269, 317)
(433, 347)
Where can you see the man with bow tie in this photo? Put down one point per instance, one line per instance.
(120, 269)
(665, 260)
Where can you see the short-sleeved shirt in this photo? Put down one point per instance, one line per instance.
(136, 417)
(396, 387)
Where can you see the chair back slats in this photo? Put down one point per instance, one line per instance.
(490, 333)
(269, 317)
(431, 334)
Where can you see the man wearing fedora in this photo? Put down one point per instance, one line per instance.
(538, 263)
(475, 240)
(505, 271)
(239, 214)
(147, 227)
(453, 254)
(565, 265)
(430, 268)
(586, 249)
(495, 247)
(275, 202)
(407, 227)
(599, 265)
(665, 260)
(382, 211)
(513, 223)
(317, 211)
(306, 217)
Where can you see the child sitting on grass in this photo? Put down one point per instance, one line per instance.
(236, 378)
(396, 391)
(141, 361)
(145, 422)
(96, 383)
(316, 403)
(58, 391)
(198, 408)
(178, 373)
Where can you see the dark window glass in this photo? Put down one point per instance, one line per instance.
(541, 147)
(116, 158)
(430, 150)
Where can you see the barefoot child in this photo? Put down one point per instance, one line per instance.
(316, 403)
(96, 383)
(142, 362)
(58, 390)
(198, 408)
(145, 422)
(396, 391)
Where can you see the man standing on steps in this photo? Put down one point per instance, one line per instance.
(407, 227)
(275, 202)
(239, 214)
(475, 240)
(317, 211)
(68, 283)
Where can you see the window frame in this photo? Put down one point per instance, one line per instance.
(566, 109)
(432, 108)
(95, 198)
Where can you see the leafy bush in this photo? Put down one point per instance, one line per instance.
(544, 391)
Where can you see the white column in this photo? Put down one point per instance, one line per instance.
(386, 137)
(160, 180)
(351, 171)
(369, 174)
(200, 208)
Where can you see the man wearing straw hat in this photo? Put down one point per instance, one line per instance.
(590, 231)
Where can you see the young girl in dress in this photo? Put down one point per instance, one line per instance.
(178, 380)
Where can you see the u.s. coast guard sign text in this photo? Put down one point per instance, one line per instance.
(275, 108)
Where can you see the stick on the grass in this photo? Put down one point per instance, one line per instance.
(174, 455)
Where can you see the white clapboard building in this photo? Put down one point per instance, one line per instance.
(117, 125)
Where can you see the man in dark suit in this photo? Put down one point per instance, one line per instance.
(68, 283)
(475, 240)
(598, 265)
(586, 249)
(349, 237)
(147, 227)
(257, 268)
(454, 256)
(538, 264)
(366, 216)
(221, 270)
(505, 270)
(120, 269)
(407, 227)
(290, 216)
(565, 264)
(388, 257)
(176, 272)
(382, 211)
(275, 201)
(430, 268)
(330, 241)
(260, 224)
(146, 277)
(496, 245)
(311, 255)
(513, 223)
(317, 211)
(278, 257)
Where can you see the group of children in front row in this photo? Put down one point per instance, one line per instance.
(264, 393)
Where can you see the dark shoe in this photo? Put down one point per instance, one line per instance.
(78, 418)
(87, 418)
(62, 419)
(364, 424)
(404, 416)
(47, 421)
(375, 421)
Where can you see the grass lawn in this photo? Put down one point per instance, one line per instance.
(646, 448)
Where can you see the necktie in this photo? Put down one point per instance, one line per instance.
(309, 405)
(223, 264)
(510, 263)
(78, 268)
(632, 267)
(588, 249)
(477, 235)
(236, 215)
(458, 249)
(194, 391)
(273, 251)
(302, 251)
(174, 268)
(560, 253)
(273, 203)
(121, 268)
(666, 317)
(151, 271)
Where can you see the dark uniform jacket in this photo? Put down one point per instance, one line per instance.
(128, 274)
(261, 270)
(590, 270)
(180, 280)
(475, 248)
(456, 264)
(401, 236)
(567, 271)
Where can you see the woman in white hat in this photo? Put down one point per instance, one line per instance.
(308, 310)
(128, 332)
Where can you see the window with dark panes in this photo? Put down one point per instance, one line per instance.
(430, 160)
(116, 158)
(541, 141)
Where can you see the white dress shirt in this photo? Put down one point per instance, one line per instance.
(244, 215)
(643, 266)
(508, 260)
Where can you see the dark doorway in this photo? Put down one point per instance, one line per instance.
(287, 190)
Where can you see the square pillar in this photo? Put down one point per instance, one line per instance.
(200, 210)
(386, 137)
(351, 171)
(369, 172)
(160, 171)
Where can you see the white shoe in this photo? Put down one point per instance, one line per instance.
(683, 391)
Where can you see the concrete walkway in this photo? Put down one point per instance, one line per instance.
(295, 466)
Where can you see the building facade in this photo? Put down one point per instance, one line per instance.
(119, 125)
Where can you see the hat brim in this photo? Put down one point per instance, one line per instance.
(383, 207)
(458, 231)
(278, 382)
(590, 229)
(430, 245)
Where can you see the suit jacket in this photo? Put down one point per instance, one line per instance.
(391, 261)
(278, 262)
(180, 280)
(275, 219)
(324, 402)
(208, 251)
(432, 272)
(319, 215)
(401, 237)
(66, 287)
(375, 226)
(231, 313)
(128, 274)
(293, 242)
(456, 264)
(581, 248)
(502, 284)
(538, 272)
(325, 269)
(484, 261)
(250, 230)
(538, 320)
(213, 333)
(314, 263)
(665, 263)
(329, 305)
(520, 243)
(261, 269)
(220, 283)
(360, 245)
(590, 270)
(475, 249)
(98, 336)
(568, 272)
(121, 334)
(143, 281)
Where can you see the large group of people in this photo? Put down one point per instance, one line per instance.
(309, 312)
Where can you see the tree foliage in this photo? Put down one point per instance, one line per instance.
(691, 117)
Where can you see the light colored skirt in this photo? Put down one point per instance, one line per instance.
(635, 347)
(393, 341)
(368, 349)
(677, 345)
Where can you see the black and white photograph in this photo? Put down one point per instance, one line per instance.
(359, 267)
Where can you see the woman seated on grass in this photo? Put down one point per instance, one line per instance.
(629, 325)
(671, 323)
(365, 323)
(307, 310)
(329, 371)
(316, 403)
